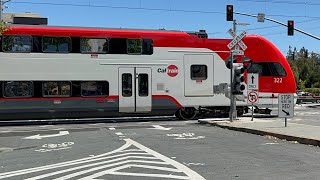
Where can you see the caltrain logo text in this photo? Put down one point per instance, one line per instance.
(171, 70)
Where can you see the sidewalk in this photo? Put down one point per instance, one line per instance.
(304, 134)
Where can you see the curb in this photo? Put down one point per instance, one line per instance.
(301, 140)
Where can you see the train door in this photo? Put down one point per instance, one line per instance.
(135, 90)
(198, 75)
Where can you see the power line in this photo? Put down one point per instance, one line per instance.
(117, 7)
(283, 2)
(277, 33)
(148, 9)
(268, 27)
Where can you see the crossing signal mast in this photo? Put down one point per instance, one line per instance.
(238, 79)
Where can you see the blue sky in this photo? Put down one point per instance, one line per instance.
(201, 14)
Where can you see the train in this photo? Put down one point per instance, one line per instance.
(53, 72)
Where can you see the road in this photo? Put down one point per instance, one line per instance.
(150, 150)
(309, 115)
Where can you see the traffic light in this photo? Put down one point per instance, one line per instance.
(229, 12)
(290, 28)
(238, 78)
(228, 61)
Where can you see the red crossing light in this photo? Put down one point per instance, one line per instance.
(290, 28)
(229, 12)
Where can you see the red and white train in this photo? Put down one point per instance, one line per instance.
(74, 72)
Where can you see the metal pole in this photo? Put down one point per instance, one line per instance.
(252, 112)
(285, 122)
(278, 22)
(234, 105)
(231, 88)
(235, 27)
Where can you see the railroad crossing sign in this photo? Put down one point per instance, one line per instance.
(237, 40)
(253, 97)
(286, 105)
(253, 81)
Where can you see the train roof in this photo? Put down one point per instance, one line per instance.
(102, 31)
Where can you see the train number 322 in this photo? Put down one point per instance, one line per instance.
(277, 80)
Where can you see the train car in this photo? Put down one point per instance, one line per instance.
(80, 72)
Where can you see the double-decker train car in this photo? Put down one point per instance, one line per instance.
(75, 72)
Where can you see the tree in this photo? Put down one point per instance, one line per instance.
(305, 67)
(3, 27)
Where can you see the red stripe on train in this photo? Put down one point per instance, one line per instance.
(98, 99)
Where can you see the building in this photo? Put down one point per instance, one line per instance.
(24, 18)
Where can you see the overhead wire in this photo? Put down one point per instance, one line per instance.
(314, 18)
(145, 8)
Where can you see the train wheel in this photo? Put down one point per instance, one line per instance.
(187, 113)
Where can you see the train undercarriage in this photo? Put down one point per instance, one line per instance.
(187, 113)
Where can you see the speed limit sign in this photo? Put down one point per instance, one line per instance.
(253, 97)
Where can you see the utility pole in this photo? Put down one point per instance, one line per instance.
(2, 7)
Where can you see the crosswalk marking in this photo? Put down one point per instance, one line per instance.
(130, 155)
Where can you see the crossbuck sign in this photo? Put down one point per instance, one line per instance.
(237, 40)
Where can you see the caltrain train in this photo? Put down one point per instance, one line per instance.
(81, 72)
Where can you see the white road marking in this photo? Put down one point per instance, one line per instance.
(48, 150)
(158, 127)
(113, 171)
(55, 147)
(58, 129)
(63, 164)
(119, 133)
(132, 154)
(5, 131)
(194, 164)
(270, 143)
(112, 128)
(61, 133)
(46, 126)
(185, 136)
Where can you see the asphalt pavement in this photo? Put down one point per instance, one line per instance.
(150, 150)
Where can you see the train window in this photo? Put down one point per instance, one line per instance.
(278, 69)
(56, 44)
(198, 72)
(56, 89)
(94, 88)
(147, 46)
(14, 89)
(17, 44)
(117, 46)
(143, 85)
(263, 68)
(89, 45)
(134, 46)
(126, 85)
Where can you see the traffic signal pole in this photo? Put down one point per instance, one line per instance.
(283, 24)
(233, 106)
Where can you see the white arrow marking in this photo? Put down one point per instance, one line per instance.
(158, 127)
(61, 133)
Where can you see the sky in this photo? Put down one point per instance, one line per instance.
(185, 15)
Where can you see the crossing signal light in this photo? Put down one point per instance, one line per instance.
(238, 78)
(290, 28)
(229, 12)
